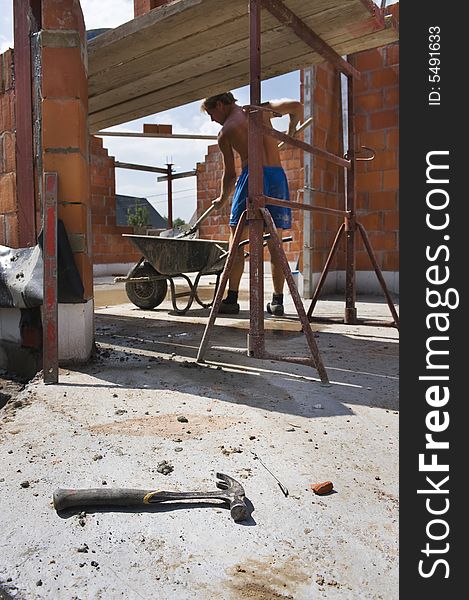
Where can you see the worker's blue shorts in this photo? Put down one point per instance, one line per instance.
(275, 186)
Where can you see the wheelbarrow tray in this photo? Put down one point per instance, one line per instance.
(173, 256)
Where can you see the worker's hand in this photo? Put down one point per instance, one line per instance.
(218, 202)
(292, 129)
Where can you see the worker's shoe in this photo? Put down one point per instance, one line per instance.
(228, 308)
(276, 306)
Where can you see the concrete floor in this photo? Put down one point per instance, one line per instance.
(110, 423)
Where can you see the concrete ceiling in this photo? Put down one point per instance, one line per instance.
(191, 49)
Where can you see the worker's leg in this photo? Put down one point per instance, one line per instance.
(238, 265)
(230, 305)
(278, 278)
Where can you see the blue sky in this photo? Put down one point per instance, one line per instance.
(184, 154)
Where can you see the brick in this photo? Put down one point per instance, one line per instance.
(384, 77)
(373, 139)
(362, 84)
(368, 60)
(391, 96)
(362, 260)
(7, 152)
(370, 101)
(61, 14)
(64, 74)
(64, 125)
(74, 217)
(11, 230)
(391, 221)
(371, 181)
(371, 221)
(85, 268)
(6, 71)
(391, 260)
(391, 180)
(7, 111)
(383, 160)
(361, 122)
(382, 200)
(8, 201)
(392, 138)
(392, 54)
(72, 169)
(384, 119)
(383, 240)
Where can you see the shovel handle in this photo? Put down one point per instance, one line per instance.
(203, 216)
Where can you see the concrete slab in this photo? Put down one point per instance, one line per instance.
(108, 424)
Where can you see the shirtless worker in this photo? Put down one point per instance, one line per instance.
(234, 136)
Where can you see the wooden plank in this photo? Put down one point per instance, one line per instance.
(231, 76)
(213, 45)
(277, 49)
(134, 167)
(174, 47)
(177, 136)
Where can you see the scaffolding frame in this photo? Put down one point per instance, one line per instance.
(257, 217)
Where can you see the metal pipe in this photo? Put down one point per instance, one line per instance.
(350, 222)
(288, 139)
(302, 206)
(170, 195)
(223, 281)
(276, 247)
(50, 352)
(322, 277)
(256, 340)
(379, 275)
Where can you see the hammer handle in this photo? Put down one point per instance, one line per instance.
(66, 498)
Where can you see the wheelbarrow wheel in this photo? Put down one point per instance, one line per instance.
(146, 294)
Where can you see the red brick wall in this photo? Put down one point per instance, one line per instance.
(108, 244)
(377, 107)
(143, 6)
(327, 178)
(8, 203)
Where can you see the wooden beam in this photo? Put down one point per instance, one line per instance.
(133, 167)
(136, 134)
(305, 33)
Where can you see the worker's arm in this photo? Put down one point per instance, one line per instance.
(293, 108)
(229, 172)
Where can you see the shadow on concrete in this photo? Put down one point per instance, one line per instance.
(161, 355)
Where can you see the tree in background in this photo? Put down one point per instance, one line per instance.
(140, 217)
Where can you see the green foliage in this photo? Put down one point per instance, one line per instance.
(139, 217)
(179, 223)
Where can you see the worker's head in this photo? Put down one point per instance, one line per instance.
(218, 107)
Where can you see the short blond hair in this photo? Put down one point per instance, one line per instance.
(211, 102)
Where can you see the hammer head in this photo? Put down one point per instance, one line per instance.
(234, 493)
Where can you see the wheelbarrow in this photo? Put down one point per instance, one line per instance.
(166, 259)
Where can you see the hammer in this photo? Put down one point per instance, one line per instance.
(232, 492)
